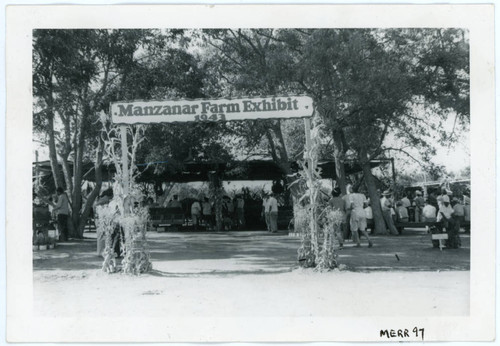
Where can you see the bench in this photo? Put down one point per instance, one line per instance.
(166, 217)
(440, 237)
(402, 225)
(416, 224)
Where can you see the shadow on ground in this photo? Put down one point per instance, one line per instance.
(258, 252)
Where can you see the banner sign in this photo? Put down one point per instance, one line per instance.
(150, 112)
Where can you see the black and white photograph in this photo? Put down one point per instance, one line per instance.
(229, 177)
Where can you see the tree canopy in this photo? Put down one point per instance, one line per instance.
(377, 91)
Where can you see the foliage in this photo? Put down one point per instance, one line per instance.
(77, 73)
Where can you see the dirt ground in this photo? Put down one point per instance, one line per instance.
(255, 273)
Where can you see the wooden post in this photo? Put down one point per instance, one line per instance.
(307, 126)
(37, 171)
(393, 175)
(125, 177)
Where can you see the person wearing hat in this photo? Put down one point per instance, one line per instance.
(444, 193)
(386, 205)
(418, 203)
(445, 217)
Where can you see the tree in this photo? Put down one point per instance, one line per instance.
(76, 73)
(368, 83)
(253, 63)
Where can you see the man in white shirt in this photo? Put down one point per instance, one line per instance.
(195, 214)
(207, 213)
(386, 204)
(272, 207)
(358, 217)
(428, 212)
(265, 211)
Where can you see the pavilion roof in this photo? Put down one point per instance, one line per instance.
(198, 171)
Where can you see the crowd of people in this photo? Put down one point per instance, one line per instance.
(441, 212)
(202, 212)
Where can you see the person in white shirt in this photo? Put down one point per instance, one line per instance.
(272, 207)
(206, 208)
(428, 212)
(358, 217)
(369, 216)
(418, 203)
(386, 204)
(195, 214)
(445, 210)
(445, 216)
(265, 212)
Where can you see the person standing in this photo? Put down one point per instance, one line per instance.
(402, 212)
(195, 214)
(386, 205)
(418, 203)
(62, 211)
(467, 213)
(272, 207)
(207, 213)
(458, 212)
(445, 216)
(440, 198)
(230, 211)
(265, 211)
(103, 200)
(358, 217)
(370, 224)
(240, 211)
(347, 208)
(337, 203)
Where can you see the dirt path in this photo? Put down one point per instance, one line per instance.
(260, 252)
(256, 274)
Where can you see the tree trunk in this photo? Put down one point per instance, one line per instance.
(95, 192)
(67, 175)
(77, 186)
(54, 165)
(378, 219)
(338, 154)
(215, 182)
